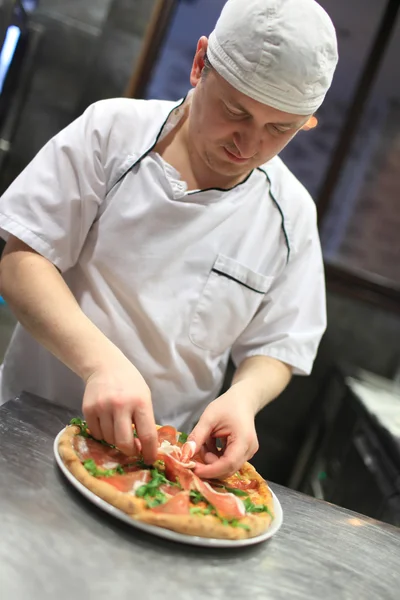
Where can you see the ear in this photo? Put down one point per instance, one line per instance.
(198, 61)
(310, 124)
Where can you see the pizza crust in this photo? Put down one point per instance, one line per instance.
(128, 503)
(208, 526)
(195, 525)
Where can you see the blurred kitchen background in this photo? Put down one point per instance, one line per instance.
(335, 434)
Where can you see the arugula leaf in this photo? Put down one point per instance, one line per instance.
(255, 508)
(156, 501)
(209, 510)
(234, 523)
(93, 469)
(150, 491)
(84, 431)
(196, 510)
(235, 491)
(140, 463)
(81, 424)
(196, 497)
(183, 438)
(237, 523)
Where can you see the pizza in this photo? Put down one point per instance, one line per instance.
(168, 493)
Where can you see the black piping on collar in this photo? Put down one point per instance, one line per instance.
(155, 144)
(151, 147)
(274, 200)
(217, 189)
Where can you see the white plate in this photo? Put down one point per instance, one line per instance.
(167, 533)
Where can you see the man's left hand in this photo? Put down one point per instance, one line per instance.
(229, 419)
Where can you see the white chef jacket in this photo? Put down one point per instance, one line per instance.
(177, 279)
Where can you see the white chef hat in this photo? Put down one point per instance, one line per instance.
(282, 53)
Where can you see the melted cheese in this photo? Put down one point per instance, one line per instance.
(110, 465)
(137, 484)
(168, 448)
(83, 448)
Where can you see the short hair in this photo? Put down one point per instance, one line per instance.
(207, 66)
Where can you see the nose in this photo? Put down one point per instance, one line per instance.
(247, 141)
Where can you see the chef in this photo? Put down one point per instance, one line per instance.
(149, 241)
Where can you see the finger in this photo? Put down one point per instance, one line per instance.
(211, 446)
(123, 432)
(231, 461)
(201, 434)
(107, 428)
(147, 433)
(210, 458)
(94, 425)
(138, 446)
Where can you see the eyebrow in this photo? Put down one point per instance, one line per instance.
(238, 106)
(289, 125)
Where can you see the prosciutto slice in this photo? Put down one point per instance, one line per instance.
(129, 482)
(178, 505)
(167, 433)
(226, 504)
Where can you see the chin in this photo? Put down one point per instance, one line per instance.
(224, 166)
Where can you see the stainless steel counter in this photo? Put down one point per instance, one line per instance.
(55, 544)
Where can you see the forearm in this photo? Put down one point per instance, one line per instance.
(261, 379)
(44, 305)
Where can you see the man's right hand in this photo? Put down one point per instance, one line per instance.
(116, 394)
(115, 397)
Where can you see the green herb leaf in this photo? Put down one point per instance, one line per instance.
(196, 497)
(183, 438)
(141, 491)
(234, 523)
(150, 491)
(203, 512)
(235, 491)
(93, 469)
(243, 526)
(255, 508)
(84, 431)
(140, 463)
(153, 502)
(81, 424)
(196, 510)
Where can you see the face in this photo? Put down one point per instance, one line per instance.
(230, 132)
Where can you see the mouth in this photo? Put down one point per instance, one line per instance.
(234, 158)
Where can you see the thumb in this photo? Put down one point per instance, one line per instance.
(200, 433)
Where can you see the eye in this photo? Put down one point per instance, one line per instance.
(233, 114)
(278, 130)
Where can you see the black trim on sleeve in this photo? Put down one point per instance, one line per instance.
(274, 200)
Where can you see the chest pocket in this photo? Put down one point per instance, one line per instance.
(230, 298)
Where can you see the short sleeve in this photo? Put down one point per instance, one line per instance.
(292, 318)
(54, 201)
